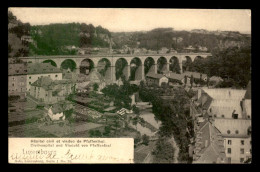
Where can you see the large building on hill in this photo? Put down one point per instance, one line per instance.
(17, 79)
(22, 75)
(37, 70)
(51, 91)
(230, 112)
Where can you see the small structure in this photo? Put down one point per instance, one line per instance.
(156, 79)
(55, 112)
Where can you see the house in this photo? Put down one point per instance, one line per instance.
(230, 110)
(196, 75)
(209, 144)
(175, 78)
(190, 48)
(26, 38)
(237, 138)
(55, 112)
(37, 70)
(17, 79)
(163, 50)
(215, 80)
(156, 79)
(51, 91)
(204, 49)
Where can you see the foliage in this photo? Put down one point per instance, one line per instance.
(174, 115)
(95, 86)
(164, 151)
(232, 64)
(145, 139)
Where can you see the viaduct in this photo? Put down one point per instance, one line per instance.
(128, 59)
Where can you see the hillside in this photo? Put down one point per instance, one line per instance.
(178, 40)
(16, 29)
(58, 39)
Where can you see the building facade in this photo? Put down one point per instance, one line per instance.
(17, 79)
(51, 91)
(230, 110)
(37, 70)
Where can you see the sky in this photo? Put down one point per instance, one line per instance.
(141, 19)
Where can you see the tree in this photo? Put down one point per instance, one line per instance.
(135, 122)
(95, 86)
(136, 110)
(145, 139)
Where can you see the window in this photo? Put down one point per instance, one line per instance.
(13, 79)
(242, 151)
(241, 160)
(223, 116)
(248, 116)
(13, 84)
(228, 131)
(229, 150)
(242, 142)
(237, 132)
(56, 76)
(235, 116)
(229, 160)
(29, 82)
(229, 142)
(30, 77)
(46, 95)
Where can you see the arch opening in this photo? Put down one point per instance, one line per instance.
(135, 69)
(104, 68)
(174, 65)
(187, 64)
(161, 65)
(121, 68)
(86, 66)
(51, 62)
(149, 65)
(68, 64)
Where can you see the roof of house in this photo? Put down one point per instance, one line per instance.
(215, 78)
(48, 84)
(209, 146)
(195, 74)
(154, 75)
(175, 76)
(40, 68)
(225, 93)
(61, 107)
(233, 125)
(17, 69)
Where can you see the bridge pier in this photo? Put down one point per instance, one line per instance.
(180, 64)
(113, 73)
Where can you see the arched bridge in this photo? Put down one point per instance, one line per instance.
(142, 63)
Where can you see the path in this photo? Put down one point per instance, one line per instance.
(176, 149)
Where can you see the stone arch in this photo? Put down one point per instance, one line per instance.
(187, 63)
(149, 65)
(122, 69)
(162, 64)
(198, 57)
(135, 69)
(53, 63)
(68, 64)
(104, 68)
(86, 66)
(174, 64)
